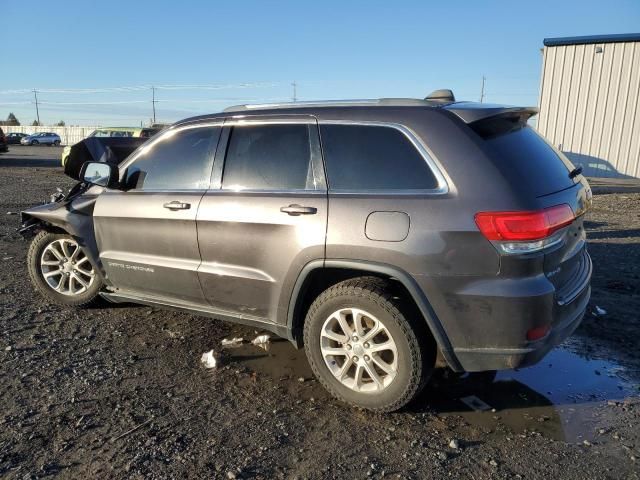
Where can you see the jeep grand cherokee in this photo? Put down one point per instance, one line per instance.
(376, 234)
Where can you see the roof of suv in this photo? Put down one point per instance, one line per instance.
(467, 111)
(380, 102)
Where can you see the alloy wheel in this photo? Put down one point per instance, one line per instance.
(359, 350)
(66, 268)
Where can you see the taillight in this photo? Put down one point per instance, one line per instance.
(522, 232)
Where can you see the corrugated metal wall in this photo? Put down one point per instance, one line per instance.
(590, 107)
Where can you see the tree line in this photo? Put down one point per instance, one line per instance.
(12, 121)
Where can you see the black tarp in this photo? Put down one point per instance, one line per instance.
(100, 149)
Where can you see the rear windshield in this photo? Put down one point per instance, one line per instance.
(527, 159)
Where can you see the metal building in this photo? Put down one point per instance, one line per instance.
(589, 102)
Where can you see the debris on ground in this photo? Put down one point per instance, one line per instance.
(475, 403)
(232, 342)
(599, 311)
(454, 444)
(262, 341)
(208, 360)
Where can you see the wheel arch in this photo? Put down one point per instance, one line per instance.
(74, 218)
(319, 275)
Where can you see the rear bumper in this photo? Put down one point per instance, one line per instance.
(486, 320)
(481, 359)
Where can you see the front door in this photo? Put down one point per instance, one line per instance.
(147, 235)
(266, 219)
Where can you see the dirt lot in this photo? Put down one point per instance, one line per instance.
(119, 392)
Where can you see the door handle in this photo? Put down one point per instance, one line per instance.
(296, 210)
(176, 205)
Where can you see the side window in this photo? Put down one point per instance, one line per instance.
(181, 161)
(269, 157)
(363, 157)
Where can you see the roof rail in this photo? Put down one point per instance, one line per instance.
(390, 102)
(319, 103)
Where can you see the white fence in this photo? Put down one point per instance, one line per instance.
(68, 135)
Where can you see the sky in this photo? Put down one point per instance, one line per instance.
(94, 63)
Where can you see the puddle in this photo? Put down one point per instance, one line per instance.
(561, 397)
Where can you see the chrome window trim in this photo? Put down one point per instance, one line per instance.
(160, 136)
(425, 152)
(254, 192)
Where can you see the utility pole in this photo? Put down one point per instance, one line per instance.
(482, 91)
(35, 94)
(295, 97)
(153, 102)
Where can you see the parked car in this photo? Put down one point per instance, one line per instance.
(14, 138)
(114, 132)
(42, 138)
(3, 142)
(376, 234)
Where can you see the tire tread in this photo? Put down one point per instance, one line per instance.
(377, 290)
(32, 262)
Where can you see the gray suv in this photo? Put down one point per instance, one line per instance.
(381, 235)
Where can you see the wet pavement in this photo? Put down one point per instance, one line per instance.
(560, 398)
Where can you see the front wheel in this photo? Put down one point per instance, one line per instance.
(34, 142)
(61, 271)
(367, 348)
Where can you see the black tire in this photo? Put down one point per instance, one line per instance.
(34, 142)
(415, 345)
(56, 143)
(34, 256)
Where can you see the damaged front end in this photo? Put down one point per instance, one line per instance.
(71, 213)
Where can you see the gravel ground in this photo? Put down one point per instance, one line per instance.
(119, 392)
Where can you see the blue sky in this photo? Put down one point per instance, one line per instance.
(251, 51)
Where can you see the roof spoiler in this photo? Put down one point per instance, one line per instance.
(471, 112)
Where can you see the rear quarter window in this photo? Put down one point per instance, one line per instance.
(528, 160)
(373, 158)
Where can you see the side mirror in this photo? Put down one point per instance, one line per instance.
(100, 173)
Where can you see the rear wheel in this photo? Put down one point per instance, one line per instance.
(365, 347)
(61, 271)
(56, 143)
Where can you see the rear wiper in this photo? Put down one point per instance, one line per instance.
(575, 172)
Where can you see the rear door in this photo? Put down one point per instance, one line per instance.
(147, 235)
(267, 217)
